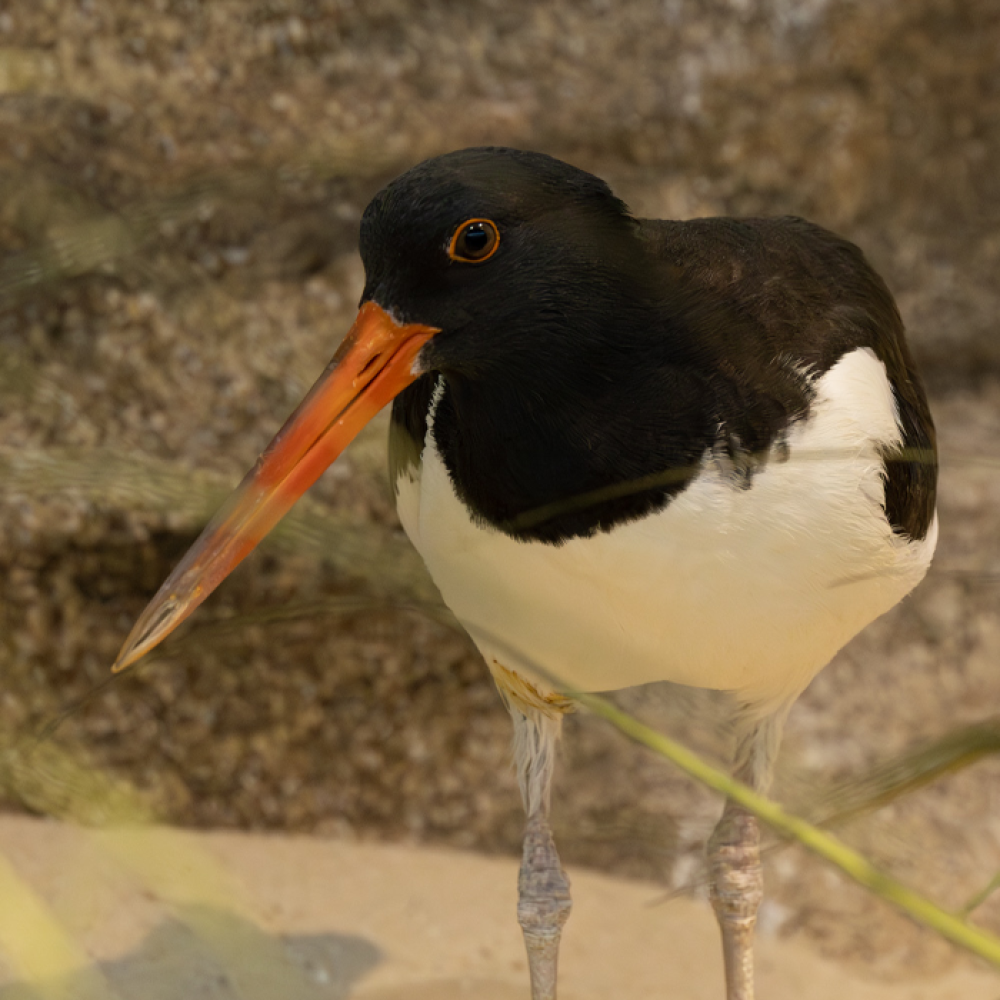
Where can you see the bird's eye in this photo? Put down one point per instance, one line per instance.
(474, 241)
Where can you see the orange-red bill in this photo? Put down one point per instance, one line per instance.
(373, 365)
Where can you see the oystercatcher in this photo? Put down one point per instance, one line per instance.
(628, 450)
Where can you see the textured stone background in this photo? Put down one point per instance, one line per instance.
(180, 186)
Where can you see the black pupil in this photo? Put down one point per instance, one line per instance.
(476, 240)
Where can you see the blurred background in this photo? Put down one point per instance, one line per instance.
(180, 189)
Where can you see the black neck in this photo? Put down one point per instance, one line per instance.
(557, 453)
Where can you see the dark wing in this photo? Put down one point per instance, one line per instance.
(813, 297)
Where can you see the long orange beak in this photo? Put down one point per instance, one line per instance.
(373, 365)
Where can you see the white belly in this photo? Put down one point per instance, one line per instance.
(751, 590)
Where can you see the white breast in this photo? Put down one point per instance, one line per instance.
(748, 589)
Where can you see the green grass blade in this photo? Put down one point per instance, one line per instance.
(826, 846)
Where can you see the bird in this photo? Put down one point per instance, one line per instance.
(628, 450)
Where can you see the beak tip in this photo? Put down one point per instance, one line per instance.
(130, 652)
(163, 614)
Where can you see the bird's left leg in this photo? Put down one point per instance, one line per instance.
(736, 879)
(543, 889)
(736, 887)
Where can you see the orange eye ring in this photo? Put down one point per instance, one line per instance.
(475, 241)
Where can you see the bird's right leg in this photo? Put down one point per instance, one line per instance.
(543, 905)
(543, 889)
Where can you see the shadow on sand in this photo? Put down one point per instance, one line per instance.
(212, 955)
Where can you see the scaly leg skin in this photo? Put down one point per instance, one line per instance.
(736, 886)
(543, 904)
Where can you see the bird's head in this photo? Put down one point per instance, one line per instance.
(510, 255)
(474, 259)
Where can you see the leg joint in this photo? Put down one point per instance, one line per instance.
(736, 878)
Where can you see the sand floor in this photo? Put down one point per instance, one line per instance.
(161, 914)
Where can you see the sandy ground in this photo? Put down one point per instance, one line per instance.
(158, 914)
